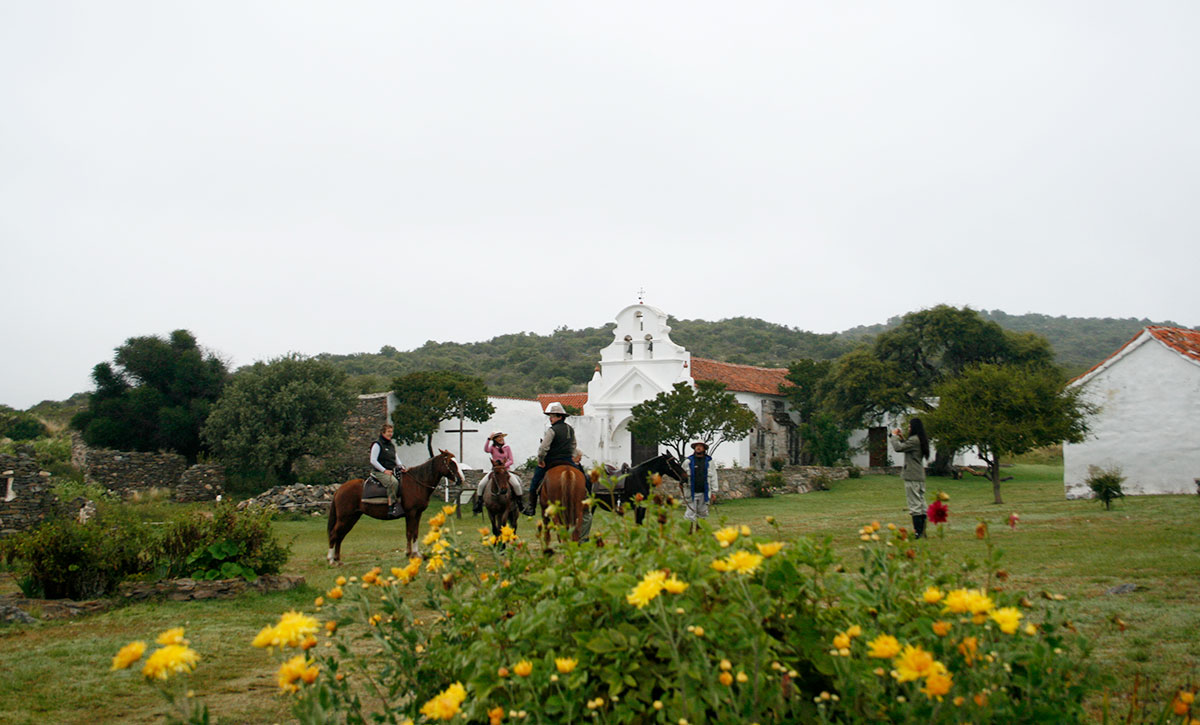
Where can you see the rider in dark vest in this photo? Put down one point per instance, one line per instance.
(388, 469)
(557, 448)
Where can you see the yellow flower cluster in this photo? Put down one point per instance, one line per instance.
(653, 584)
(507, 534)
(372, 577)
(128, 654)
(726, 536)
(969, 601)
(524, 668)
(298, 668)
(868, 532)
(446, 704)
(293, 630)
(565, 665)
(173, 659)
(409, 572)
(172, 636)
(770, 549)
(842, 641)
(739, 562)
(1008, 618)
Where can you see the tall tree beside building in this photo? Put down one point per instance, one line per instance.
(155, 395)
(426, 398)
(685, 414)
(1006, 410)
(273, 413)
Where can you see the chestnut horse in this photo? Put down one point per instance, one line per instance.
(500, 501)
(565, 486)
(416, 488)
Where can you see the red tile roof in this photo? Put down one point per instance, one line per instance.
(575, 400)
(1181, 340)
(742, 378)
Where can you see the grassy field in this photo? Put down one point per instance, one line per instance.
(58, 671)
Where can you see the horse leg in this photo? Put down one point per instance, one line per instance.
(340, 530)
(640, 515)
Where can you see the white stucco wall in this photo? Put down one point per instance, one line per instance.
(522, 420)
(1149, 423)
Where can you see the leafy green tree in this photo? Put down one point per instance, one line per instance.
(826, 441)
(272, 413)
(426, 398)
(156, 396)
(685, 414)
(1006, 410)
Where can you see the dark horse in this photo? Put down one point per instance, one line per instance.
(416, 487)
(500, 501)
(566, 487)
(638, 481)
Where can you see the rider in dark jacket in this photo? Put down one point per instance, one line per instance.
(557, 448)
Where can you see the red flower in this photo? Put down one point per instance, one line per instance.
(937, 512)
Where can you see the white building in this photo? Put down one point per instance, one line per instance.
(1148, 393)
(640, 363)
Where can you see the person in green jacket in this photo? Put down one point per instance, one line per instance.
(915, 447)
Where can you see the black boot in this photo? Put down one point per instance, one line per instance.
(529, 506)
(395, 509)
(477, 505)
(521, 503)
(919, 526)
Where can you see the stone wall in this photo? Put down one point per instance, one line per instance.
(735, 482)
(125, 473)
(367, 416)
(25, 496)
(201, 482)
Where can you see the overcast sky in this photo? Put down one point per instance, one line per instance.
(336, 177)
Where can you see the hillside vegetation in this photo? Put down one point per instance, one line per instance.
(525, 364)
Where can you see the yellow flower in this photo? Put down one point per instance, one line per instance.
(169, 660)
(933, 595)
(969, 648)
(854, 631)
(1031, 629)
(980, 603)
(725, 678)
(495, 715)
(129, 654)
(675, 586)
(340, 581)
(770, 549)
(1009, 618)
(647, 589)
(743, 562)
(720, 565)
(446, 704)
(296, 668)
(726, 536)
(565, 665)
(937, 684)
(435, 563)
(941, 628)
(437, 521)
(440, 545)
(432, 536)
(172, 636)
(449, 510)
(742, 677)
(293, 628)
(744, 530)
(524, 668)
(319, 602)
(883, 647)
(335, 593)
(841, 640)
(507, 534)
(915, 663)
(961, 601)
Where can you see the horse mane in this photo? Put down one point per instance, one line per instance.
(424, 469)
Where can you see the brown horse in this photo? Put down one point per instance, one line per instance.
(566, 487)
(500, 500)
(416, 487)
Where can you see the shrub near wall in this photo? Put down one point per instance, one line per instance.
(650, 624)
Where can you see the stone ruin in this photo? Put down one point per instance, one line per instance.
(26, 498)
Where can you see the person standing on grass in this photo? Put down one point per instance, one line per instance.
(702, 479)
(915, 447)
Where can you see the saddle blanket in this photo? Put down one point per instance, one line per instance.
(373, 492)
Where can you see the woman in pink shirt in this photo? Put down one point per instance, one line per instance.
(500, 453)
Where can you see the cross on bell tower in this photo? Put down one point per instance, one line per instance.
(641, 295)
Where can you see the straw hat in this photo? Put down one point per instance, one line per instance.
(556, 409)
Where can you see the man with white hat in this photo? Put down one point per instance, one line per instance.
(557, 448)
(702, 479)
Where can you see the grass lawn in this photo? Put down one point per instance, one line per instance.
(58, 671)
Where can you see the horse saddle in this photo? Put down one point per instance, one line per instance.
(613, 472)
(373, 491)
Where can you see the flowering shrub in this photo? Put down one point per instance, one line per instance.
(651, 624)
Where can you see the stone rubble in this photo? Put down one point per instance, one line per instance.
(299, 498)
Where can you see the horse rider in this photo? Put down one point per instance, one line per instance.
(388, 469)
(500, 453)
(702, 478)
(557, 448)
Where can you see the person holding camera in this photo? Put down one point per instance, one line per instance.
(500, 453)
(915, 447)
